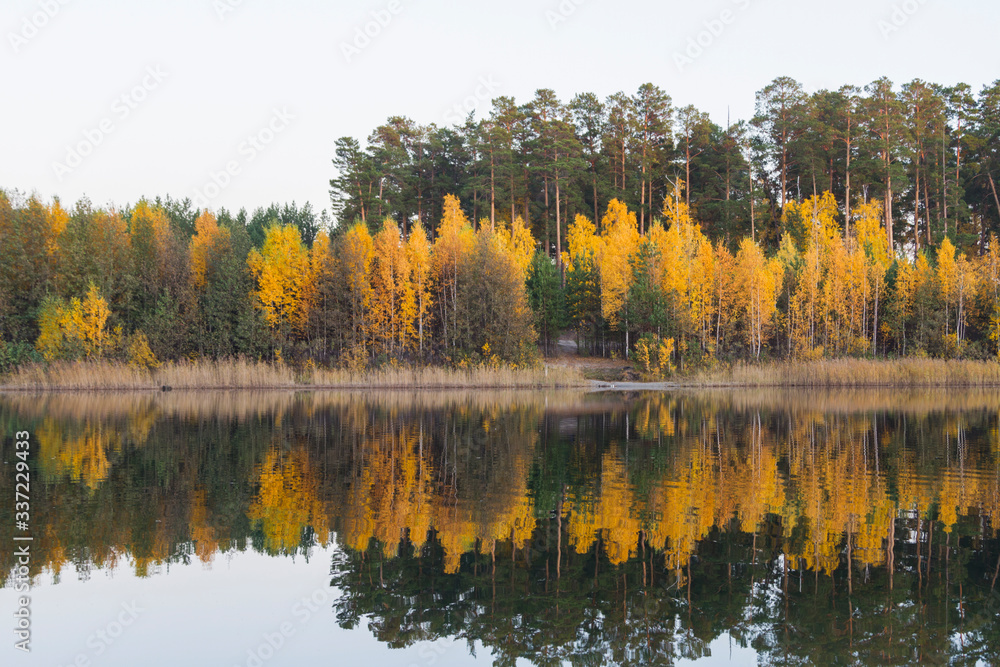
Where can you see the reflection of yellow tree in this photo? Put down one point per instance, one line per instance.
(159, 551)
(202, 532)
(820, 477)
(288, 501)
(400, 494)
(611, 514)
(80, 453)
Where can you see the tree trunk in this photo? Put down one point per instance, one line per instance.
(595, 198)
(993, 186)
(493, 193)
(559, 261)
(927, 208)
(642, 197)
(916, 207)
(545, 183)
(512, 200)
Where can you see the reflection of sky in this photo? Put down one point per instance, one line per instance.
(196, 616)
(724, 651)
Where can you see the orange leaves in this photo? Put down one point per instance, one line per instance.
(813, 222)
(288, 501)
(281, 269)
(759, 282)
(620, 234)
(418, 254)
(454, 241)
(518, 244)
(582, 240)
(208, 242)
(393, 302)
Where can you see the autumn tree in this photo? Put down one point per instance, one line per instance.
(454, 240)
(280, 269)
(418, 254)
(74, 329)
(620, 236)
(759, 282)
(393, 301)
(493, 315)
(356, 249)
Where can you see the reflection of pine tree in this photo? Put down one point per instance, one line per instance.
(633, 532)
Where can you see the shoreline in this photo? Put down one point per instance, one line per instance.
(563, 373)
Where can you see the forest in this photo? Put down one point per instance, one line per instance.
(860, 222)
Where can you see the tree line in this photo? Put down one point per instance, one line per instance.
(928, 152)
(133, 286)
(159, 281)
(855, 222)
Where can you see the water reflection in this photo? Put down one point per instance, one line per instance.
(595, 529)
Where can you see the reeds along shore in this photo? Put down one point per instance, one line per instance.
(906, 372)
(244, 374)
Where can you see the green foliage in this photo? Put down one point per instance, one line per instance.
(493, 303)
(645, 305)
(13, 355)
(583, 297)
(546, 298)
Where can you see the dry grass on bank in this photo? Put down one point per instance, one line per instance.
(854, 373)
(442, 377)
(243, 374)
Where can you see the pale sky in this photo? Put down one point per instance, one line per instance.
(118, 99)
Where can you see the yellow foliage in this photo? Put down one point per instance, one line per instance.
(139, 354)
(759, 282)
(58, 218)
(454, 242)
(281, 269)
(74, 329)
(620, 236)
(418, 254)
(947, 270)
(80, 453)
(356, 258)
(288, 501)
(393, 301)
(814, 221)
(870, 232)
(209, 240)
(519, 245)
(581, 240)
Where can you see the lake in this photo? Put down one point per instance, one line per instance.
(509, 528)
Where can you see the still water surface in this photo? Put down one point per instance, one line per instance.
(517, 528)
